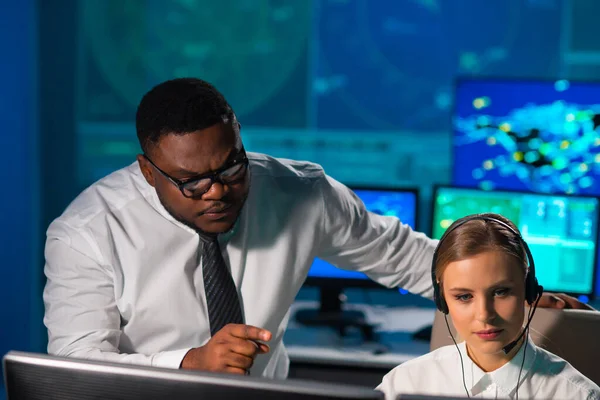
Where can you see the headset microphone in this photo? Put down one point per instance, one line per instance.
(506, 349)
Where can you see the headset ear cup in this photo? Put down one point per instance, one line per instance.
(444, 308)
(529, 289)
(436, 296)
(532, 289)
(440, 303)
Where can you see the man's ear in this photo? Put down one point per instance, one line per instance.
(146, 169)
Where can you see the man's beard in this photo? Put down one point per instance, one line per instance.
(203, 234)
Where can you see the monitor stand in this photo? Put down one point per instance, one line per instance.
(330, 314)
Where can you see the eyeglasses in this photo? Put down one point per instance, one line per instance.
(230, 173)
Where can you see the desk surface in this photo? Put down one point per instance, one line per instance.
(394, 329)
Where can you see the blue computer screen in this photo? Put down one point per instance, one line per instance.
(561, 231)
(539, 136)
(397, 203)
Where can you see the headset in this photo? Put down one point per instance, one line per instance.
(533, 290)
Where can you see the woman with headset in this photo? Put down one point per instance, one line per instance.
(483, 273)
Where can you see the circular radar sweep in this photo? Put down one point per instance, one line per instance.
(246, 48)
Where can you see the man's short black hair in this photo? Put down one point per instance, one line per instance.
(179, 106)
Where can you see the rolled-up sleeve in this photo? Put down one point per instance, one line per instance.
(81, 314)
(382, 247)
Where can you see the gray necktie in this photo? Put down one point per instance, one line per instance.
(221, 295)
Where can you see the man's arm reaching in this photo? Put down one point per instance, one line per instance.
(384, 248)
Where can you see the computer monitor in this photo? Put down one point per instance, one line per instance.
(561, 230)
(532, 135)
(31, 376)
(397, 202)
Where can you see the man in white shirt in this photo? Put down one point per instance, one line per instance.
(124, 261)
(128, 263)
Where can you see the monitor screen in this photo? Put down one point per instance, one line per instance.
(540, 136)
(401, 203)
(31, 376)
(561, 230)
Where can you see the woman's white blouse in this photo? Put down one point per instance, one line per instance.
(544, 376)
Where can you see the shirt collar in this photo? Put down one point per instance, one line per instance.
(505, 377)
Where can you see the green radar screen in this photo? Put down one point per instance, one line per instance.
(254, 51)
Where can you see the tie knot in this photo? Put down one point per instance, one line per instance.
(208, 238)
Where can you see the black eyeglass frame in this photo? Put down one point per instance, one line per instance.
(215, 176)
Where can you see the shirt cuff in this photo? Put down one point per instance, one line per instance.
(169, 359)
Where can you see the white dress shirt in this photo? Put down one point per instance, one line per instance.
(124, 278)
(544, 376)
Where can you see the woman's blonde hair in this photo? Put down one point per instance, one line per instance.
(479, 236)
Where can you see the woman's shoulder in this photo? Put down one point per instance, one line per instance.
(563, 373)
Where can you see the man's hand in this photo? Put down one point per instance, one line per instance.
(562, 301)
(232, 350)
